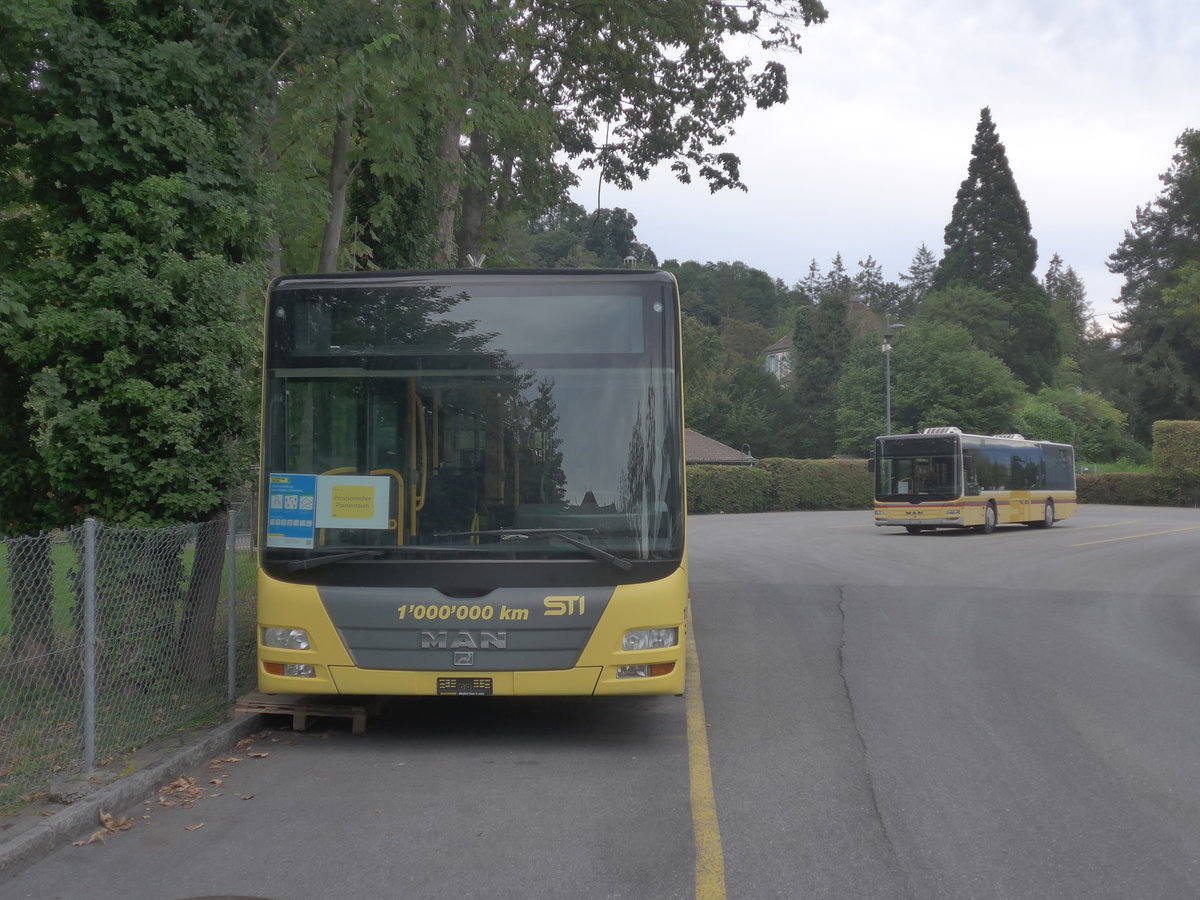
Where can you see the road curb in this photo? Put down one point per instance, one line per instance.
(83, 817)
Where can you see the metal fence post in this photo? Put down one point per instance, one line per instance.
(231, 550)
(89, 644)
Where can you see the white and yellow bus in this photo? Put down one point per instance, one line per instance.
(942, 478)
(473, 484)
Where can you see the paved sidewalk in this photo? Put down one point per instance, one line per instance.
(33, 833)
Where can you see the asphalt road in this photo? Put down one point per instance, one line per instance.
(884, 715)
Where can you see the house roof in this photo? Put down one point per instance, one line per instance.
(784, 343)
(701, 450)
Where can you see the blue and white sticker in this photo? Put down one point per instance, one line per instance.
(291, 511)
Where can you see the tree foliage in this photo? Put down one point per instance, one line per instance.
(916, 282)
(982, 314)
(938, 378)
(716, 291)
(1160, 260)
(136, 361)
(480, 114)
(989, 239)
(990, 246)
(732, 399)
(821, 340)
(1098, 428)
(1069, 305)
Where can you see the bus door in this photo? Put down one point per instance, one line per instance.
(1026, 476)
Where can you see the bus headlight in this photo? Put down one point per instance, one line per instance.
(292, 670)
(645, 671)
(285, 638)
(650, 639)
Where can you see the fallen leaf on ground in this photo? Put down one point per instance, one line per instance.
(111, 826)
(184, 788)
(195, 827)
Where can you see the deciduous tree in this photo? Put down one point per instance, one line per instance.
(821, 340)
(144, 328)
(938, 378)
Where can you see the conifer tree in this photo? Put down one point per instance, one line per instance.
(1160, 259)
(813, 285)
(1068, 299)
(838, 281)
(870, 286)
(989, 240)
(917, 281)
(990, 246)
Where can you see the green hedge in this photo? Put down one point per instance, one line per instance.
(777, 485)
(732, 489)
(819, 483)
(1139, 489)
(782, 485)
(1177, 448)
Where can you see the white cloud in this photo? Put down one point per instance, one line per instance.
(1088, 97)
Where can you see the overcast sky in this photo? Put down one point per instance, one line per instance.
(1088, 97)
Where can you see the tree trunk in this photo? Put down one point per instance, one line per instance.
(449, 154)
(201, 601)
(339, 186)
(474, 200)
(449, 151)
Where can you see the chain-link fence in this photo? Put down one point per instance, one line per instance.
(113, 637)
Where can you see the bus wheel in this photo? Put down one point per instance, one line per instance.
(1047, 516)
(989, 519)
(914, 529)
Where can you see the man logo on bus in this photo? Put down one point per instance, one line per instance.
(464, 640)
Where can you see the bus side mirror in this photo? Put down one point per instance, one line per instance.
(871, 465)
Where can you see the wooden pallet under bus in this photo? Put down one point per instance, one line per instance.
(302, 708)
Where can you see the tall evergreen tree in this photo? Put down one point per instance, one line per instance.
(1160, 258)
(989, 240)
(813, 285)
(870, 286)
(990, 246)
(1068, 299)
(838, 281)
(916, 282)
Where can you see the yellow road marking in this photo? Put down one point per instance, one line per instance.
(1105, 525)
(1132, 537)
(710, 861)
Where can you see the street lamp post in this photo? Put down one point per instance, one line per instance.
(887, 373)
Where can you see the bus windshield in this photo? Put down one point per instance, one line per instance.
(419, 417)
(917, 469)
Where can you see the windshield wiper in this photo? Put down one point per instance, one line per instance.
(315, 562)
(563, 534)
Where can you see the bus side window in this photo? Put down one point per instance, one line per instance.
(972, 488)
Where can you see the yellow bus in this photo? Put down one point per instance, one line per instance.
(942, 478)
(472, 484)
